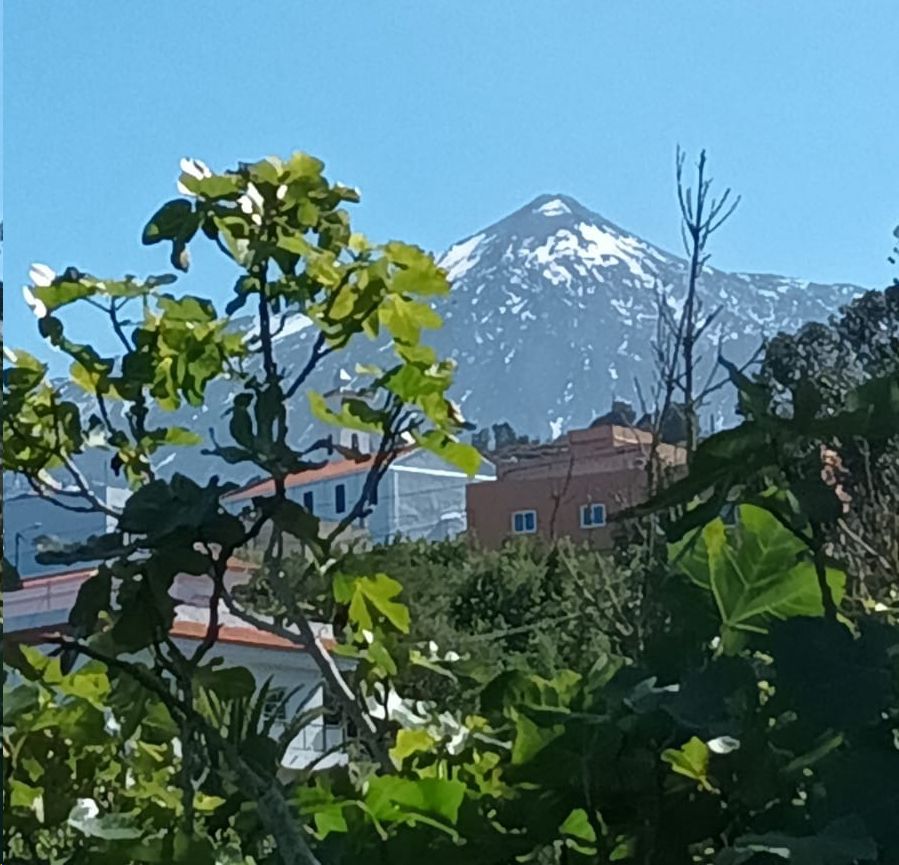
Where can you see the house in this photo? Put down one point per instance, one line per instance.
(39, 608)
(570, 487)
(39, 603)
(420, 496)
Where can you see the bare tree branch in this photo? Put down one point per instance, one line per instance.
(558, 497)
(318, 353)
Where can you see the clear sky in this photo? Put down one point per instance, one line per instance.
(448, 115)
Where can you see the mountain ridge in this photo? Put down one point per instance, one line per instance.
(557, 261)
(551, 318)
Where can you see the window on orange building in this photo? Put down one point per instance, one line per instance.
(593, 516)
(524, 522)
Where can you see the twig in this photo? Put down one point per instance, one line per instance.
(557, 497)
(830, 607)
(318, 353)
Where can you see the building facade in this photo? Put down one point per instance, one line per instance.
(572, 487)
(40, 608)
(418, 497)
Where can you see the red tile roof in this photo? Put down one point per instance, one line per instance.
(334, 469)
(58, 578)
(232, 631)
(234, 564)
(243, 636)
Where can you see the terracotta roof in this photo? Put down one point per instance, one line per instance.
(238, 636)
(241, 635)
(334, 469)
(58, 577)
(235, 564)
(191, 620)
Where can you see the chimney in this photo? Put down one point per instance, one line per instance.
(357, 441)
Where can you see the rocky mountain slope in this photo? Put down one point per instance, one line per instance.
(554, 311)
(552, 315)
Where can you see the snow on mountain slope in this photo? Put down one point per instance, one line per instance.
(552, 314)
(554, 309)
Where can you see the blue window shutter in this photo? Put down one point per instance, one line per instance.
(593, 515)
(340, 498)
(530, 521)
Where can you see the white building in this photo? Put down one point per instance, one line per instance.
(41, 607)
(420, 496)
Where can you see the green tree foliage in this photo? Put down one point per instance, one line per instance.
(745, 754)
(115, 794)
(285, 229)
(528, 606)
(859, 344)
(499, 438)
(752, 720)
(622, 413)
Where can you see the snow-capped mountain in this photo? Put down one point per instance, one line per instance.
(554, 311)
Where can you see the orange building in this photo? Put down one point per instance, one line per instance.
(571, 487)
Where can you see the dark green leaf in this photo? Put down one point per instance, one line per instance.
(843, 843)
(19, 701)
(834, 680)
(11, 578)
(229, 683)
(94, 597)
(294, 519)
(174, 220)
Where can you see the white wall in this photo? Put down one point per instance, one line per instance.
(46, 603)
(294, 671)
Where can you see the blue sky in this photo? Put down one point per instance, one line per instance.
(448, 115)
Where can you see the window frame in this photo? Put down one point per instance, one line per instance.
(589, 508)
(524, 514)
(334, 718)
(274, 709)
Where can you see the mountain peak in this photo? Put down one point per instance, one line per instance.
(555, 310)
(556, 204)
(551, 213)
(557, 236)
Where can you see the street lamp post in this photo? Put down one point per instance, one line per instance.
(18, 538)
